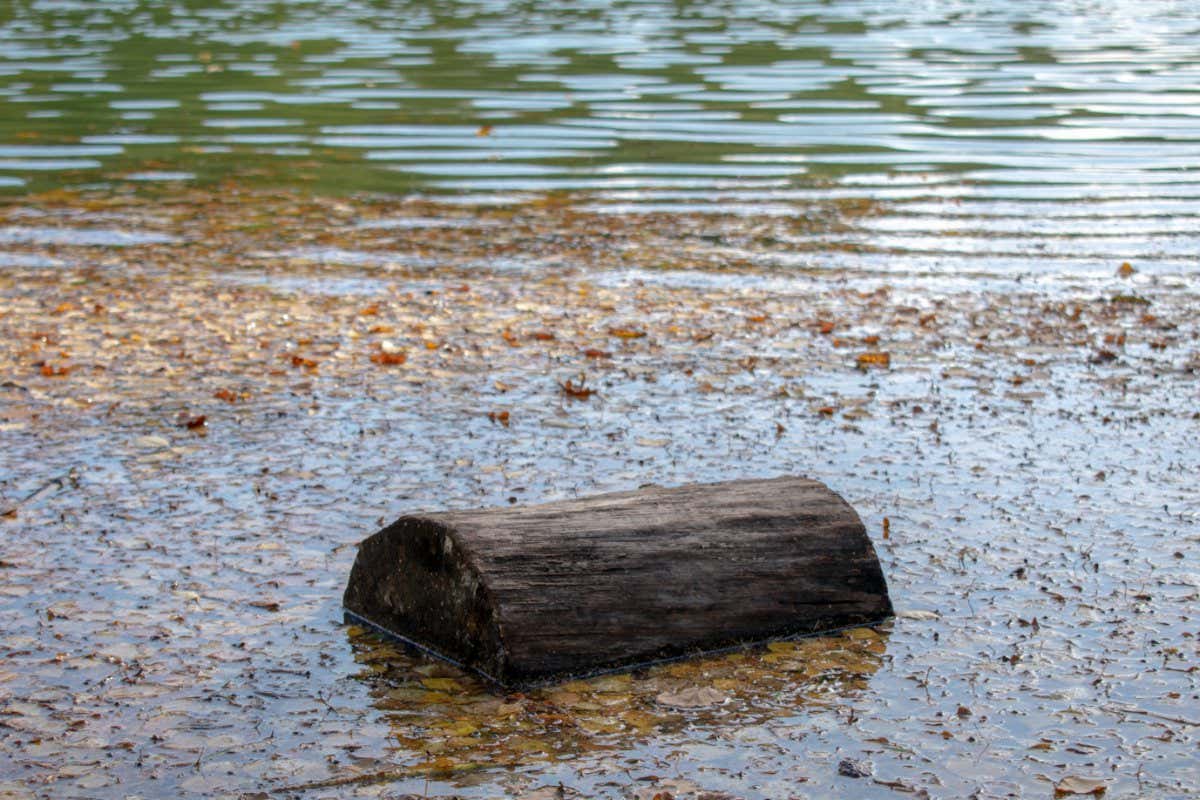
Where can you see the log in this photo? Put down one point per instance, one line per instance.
(523, 595)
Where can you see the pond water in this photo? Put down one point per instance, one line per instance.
(978, 122)
(214, 218)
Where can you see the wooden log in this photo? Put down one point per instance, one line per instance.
(523, 595)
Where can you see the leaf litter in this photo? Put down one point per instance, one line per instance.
(200, 424)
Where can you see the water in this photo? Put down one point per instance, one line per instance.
(194, 434)
(1069, 119)
(470, 96)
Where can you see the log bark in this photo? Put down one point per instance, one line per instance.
(526, 594)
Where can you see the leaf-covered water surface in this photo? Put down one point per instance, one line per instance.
(208, 399)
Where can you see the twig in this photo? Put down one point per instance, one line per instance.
(56, 484)
(1115, 709)
(347, 780)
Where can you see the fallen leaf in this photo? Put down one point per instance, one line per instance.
(302, 362)
(388, 359)
(917, 614)
(692, 697)
(855, 768)
(230, 396)
(1073, 784)
(626, 333)
(873, 359)
(577, 391)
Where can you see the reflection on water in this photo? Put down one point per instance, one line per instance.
(447, 723)
(1013, 114)
(613, 94)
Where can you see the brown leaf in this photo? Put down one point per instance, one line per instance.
(692, 697)
(302, 362)
(873, 359)
(577, 391)
(1073, 784)
(626, 333)
(51, 371)
(388, 359)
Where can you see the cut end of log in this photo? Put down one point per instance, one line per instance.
(527, 595)
(413, 579)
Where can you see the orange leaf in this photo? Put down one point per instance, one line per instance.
(306, 363)
(388, 359)
(757, 318)
(484, 130)
(499, 416)
(875, 359)
(543, 336)
(577, 391)
(592, 352)
(370, 311)
(826, 327)
(626, 333)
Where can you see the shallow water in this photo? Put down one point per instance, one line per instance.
(771, 193)
(198, 430)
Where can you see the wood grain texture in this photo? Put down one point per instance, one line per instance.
(574, 587)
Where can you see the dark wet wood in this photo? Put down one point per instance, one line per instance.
(527, 594)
